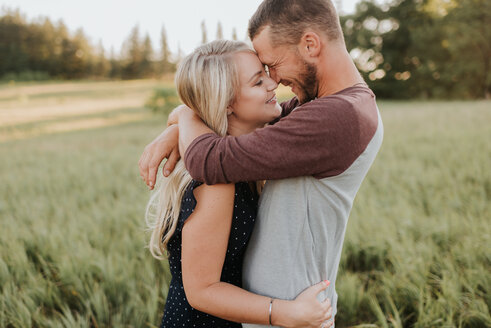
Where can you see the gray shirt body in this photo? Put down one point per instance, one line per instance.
(300, 229)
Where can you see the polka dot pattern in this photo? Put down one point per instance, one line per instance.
(178, 312)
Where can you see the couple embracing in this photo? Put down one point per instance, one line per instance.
(253, 217)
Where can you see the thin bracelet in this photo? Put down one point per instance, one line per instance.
(270, 310)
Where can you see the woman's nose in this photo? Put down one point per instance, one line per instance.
(272, 84)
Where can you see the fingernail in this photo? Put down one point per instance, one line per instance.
(166, 173)
(150, 184)
(327, 282)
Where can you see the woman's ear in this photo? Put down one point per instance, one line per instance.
(230, 110)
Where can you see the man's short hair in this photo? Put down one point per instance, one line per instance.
(289, 19)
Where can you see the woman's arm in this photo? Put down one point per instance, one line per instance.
(204, 244)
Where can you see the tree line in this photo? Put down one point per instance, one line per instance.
(404, 49)
(37, 50)
(42, 49)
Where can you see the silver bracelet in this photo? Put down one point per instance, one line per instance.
(270, 310)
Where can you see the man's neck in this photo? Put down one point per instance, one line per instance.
(336, 72)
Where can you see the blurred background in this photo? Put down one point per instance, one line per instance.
(84, 86)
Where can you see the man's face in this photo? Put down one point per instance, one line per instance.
(286, 66)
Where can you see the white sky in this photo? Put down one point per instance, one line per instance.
(112, 20)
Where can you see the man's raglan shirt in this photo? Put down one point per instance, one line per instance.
(315, 159)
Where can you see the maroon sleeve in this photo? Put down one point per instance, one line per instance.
(286, 108)
(321, 138)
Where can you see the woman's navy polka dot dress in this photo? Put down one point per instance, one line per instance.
(178, 312)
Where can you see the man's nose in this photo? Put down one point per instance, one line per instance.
(273, 75)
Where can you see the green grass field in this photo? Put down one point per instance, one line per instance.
(72, 245)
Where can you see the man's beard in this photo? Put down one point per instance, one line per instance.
(307, 82)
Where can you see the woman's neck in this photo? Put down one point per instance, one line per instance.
(236, 128)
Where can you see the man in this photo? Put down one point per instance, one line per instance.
(314, 158)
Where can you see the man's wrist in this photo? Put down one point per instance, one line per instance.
(173, 117)
(187, 113)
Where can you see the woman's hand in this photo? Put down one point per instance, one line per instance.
(305, 311)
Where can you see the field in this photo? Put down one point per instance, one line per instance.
(72, 244)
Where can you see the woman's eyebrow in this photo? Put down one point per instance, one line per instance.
(256, 74)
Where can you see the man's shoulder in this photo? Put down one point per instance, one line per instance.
(356, 96)
(343, 107)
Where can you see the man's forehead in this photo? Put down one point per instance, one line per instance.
(262, 45)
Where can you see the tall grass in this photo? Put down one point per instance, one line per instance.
(416, 254)
(418, 247)
(72, 243)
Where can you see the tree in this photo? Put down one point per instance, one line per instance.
(101, 65)
(234, 34)
(468, 39)
(397, 48)
(146, 64)
(13, 34)
(115, 70)
(204, 36)
(219, 31)
(132, 55)
(165, 62)
(423, 48)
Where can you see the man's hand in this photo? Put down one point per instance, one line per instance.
(173, 117)
(166, 145)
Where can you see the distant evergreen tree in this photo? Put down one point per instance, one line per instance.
(165, 61)
(219, 31)
(204, 36)
(146, 65)
(180, 53)
(101, 66)
(132, 55)
(13, 34)
(115, 70)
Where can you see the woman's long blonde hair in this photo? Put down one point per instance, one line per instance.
(207, 82)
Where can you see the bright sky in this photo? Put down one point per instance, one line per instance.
(112, 20)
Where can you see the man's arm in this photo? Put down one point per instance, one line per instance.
(192, 127)
(319, 139)
(165, 146)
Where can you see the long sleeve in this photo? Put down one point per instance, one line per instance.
(320, 138)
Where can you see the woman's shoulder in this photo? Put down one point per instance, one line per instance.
(206, 192)
(202, 198)
(197, 191)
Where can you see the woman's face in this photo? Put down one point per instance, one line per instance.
(255, 104)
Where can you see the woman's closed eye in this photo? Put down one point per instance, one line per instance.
(259, 82)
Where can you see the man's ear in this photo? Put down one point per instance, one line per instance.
(310, 44)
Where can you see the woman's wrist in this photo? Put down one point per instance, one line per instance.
(281, 313)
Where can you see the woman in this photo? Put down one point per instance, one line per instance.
(205, 229)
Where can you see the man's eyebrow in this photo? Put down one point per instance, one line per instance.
(255, 74)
